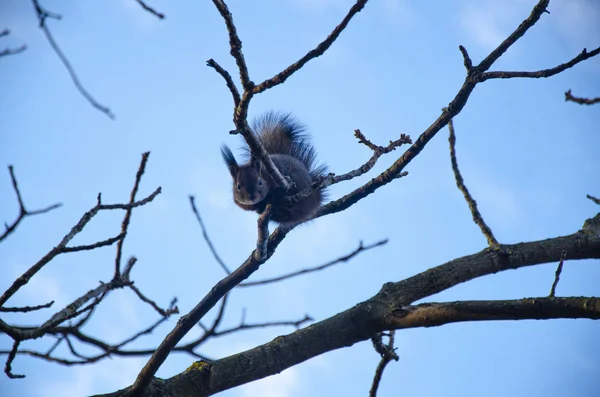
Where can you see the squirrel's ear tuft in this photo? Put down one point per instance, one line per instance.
(229, 160)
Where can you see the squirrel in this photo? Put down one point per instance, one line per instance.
(288, 146)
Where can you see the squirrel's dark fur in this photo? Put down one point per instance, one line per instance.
(288, 146)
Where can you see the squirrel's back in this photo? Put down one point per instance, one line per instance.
(282, 133)
(289, 147)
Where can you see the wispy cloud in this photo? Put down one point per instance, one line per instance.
(577, 19)
(489, 22)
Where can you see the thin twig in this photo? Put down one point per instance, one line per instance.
(542, 73)
(557, 274)
(316, 52)
(25, 309)
(594, 199)
(580, 100)
(332, 179)
(345, 258)
(387, 352)
(13, 51)
(127, 217)
(235, 43)
(460, 183)
(150, 9)
(206, 238)
(453, 109)
(163, 312)
(23, 212)
(228, 80)
(10, 359)
(42, 14)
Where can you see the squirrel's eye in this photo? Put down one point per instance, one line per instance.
(259, 182)
(239, 187)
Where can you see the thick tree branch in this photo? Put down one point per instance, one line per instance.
(436, 314)
(187, 322)
(390, 309)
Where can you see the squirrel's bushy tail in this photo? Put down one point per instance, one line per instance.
(282, 133)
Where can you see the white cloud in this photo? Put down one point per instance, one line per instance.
(577, 19)
(486, 22)
(281, 385)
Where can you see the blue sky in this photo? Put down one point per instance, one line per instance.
(528, 157)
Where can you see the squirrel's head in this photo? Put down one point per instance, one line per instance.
(249, 187)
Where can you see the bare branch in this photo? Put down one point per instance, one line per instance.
(163, 312)
(535, 15)
(62, 246)
(557, 274)
(316, 52)
(10, 51)
(260, 253)
(387, 352)
(127, 217)
(345, 258)
(10, 359)
(188, 321)
(104, 243)
(22, 211)
(453, 108)
(332, 179)
(42, 14)
(235, 43)
(436, 314)
(228, 80)
(466, 58)
(206, 238)
(460, 183)
(580, 100)
(594, 199)
(13, 51)
(150, 9)
(542, 73)
(25, 309)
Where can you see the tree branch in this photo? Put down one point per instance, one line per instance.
(460, 183)
(388, 353)
(42, 14)
(390, 309)
(22, 211)
(206, 238)
(580, 100)
(314, 53)
(345, 258)
(150, 9)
